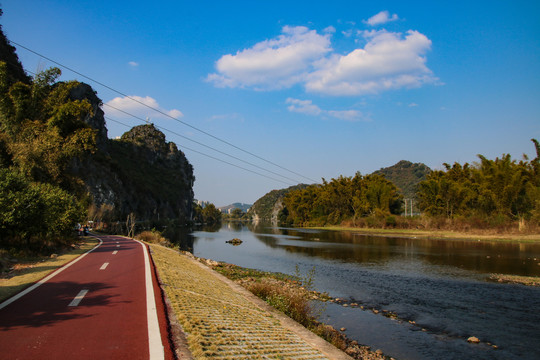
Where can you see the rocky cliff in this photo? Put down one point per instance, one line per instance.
(267, 208)
(139, 173)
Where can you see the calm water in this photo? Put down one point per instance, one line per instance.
(440, 285)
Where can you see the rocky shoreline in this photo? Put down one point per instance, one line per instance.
(349, 346)
(514, 279)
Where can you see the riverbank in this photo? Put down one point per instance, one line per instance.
(222, 319)
(439, 234)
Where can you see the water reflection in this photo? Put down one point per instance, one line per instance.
(478, 256)
(440, 284)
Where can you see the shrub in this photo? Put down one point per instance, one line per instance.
(153, 237)
(292, 302)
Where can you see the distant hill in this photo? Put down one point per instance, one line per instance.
(241, 206)
(406, 176)
(268, 207)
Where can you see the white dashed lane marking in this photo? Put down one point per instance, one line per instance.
(115, 252)
(78, 298)
(104, 266)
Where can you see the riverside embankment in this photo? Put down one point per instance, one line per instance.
(441, 291)
(222, 320)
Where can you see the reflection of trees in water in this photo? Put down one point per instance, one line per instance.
(180, 236)
(480, 256)
(234, 225)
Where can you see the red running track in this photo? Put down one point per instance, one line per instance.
(109, 322)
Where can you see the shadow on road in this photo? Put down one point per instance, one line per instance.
(31, 311)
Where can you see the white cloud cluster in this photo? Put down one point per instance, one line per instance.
(308, 108)
(381, 18)
(387, 61)
(273, 64)
(142, 107)
(133, 64)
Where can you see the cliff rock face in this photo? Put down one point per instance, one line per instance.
(141, 173)
(267, 208)
(96, 120)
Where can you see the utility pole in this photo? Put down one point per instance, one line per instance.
(405, 207)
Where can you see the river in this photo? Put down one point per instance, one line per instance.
(439, 289)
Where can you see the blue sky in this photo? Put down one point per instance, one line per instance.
(317, 87)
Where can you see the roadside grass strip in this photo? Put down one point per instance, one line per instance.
(28, 273)
(220, 322)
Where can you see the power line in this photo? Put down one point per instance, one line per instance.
(201, 144)
(212, 157)
(161, 112)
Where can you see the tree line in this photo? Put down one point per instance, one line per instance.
(340, 199)
(496, 190)
(490, 192)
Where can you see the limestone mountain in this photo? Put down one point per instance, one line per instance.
(141, 173)
(55, 132)
(406, 176)
(267, 208)
(241, 206)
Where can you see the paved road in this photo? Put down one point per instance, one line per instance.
(94, 309)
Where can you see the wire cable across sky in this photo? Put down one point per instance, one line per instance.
(173, 118)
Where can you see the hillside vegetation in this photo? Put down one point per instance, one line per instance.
(406, 176)
(58, 167)
(267, 208)
(500, 195)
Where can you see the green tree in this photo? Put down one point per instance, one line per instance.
(342, 199)
(211, 215)
(35, 215)
(491, 189)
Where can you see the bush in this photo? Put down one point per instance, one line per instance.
(290, 301)
(35, 216)
(153, 237)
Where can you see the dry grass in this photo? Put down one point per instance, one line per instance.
(153, 237)
(514, 279)
(220, 322)
(490, 235)
(26, 272)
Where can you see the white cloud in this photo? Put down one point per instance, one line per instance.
(329, 30)
(388, 61)
(381, 18)
(143, 107)
(303, 106)
(412, 105)
(347, 33)
(273, 64)
(348, 115)
(308, 108)
(133, 64)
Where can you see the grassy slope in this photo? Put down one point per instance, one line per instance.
(28, 271)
